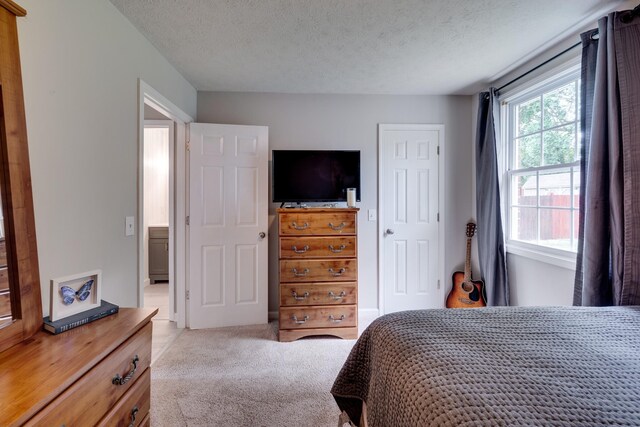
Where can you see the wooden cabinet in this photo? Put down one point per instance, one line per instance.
(158, 254)
(318, 263)
(97, 374)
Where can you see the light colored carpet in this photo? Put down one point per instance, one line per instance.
(242, 376)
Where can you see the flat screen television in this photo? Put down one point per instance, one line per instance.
(315, 175)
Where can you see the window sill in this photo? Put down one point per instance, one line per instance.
(566, 260)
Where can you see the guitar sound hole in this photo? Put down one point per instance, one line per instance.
(474, 295)
(468, 287)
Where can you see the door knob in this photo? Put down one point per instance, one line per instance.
(390, 231)
(262, 234)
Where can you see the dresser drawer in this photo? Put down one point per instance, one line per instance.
(324, 223)
(89, 398)
(134, 406)
(5, 304)
(318, 270)
(318, 247)
(334, 293)
(4, 279)
(318, 317)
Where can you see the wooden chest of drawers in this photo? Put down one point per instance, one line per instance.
(318, 255)
(97, 374)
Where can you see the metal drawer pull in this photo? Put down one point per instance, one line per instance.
(134, 412)
(297, 298)
(334, 320)
(337, 250)
(337, 227)
(300, 227)
(299, 322)
(337, 297)
(300, 274)
(118, 380)
(337, 273)
(300, 251)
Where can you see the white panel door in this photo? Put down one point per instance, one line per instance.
(228, 221)
(409, 195)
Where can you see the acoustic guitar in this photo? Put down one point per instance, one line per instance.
(466, 292)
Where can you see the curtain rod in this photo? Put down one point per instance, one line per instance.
(626, 19)
(538, 66)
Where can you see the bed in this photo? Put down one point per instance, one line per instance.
(508, 366)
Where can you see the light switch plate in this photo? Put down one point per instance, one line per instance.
(373, 215)
(129, 226)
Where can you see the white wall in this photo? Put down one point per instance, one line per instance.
(81, 61)
(350, 122)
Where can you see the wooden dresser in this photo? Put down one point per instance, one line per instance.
(97, 374)
(318, 255)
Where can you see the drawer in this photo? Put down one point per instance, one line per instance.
(318, 247)
(5, 304)
(88, 399)
(158, 232)
(319, 270)
(318, 317)
(134, 406)
(4, 279)
(327, 223)
(3, 253)
(294, 294)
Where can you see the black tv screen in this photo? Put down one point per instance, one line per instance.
(315, 175)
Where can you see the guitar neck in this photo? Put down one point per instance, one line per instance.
(467, 262)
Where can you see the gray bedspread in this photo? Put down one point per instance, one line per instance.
(510, 366)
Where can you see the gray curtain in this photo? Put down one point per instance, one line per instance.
(608, 263)
(491, 249)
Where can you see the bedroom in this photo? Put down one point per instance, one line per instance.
(81, 62)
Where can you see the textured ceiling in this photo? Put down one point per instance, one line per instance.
(353, 46)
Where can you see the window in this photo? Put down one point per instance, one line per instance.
(543, 166)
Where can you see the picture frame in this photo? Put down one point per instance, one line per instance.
(74, 294)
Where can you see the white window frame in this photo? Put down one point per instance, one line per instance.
(545, 82)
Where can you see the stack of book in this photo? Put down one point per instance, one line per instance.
(79, 319)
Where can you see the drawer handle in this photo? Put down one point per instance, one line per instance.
(118, 380)
(299, 322)
(337, 273)
(337, 227)
(297, 298)
(300, 251)
(334, 320)
(134, 412)
(337, 297)
(300, 227)
(300, 274)
(337, 250)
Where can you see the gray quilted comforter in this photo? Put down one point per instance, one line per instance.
(513, 366)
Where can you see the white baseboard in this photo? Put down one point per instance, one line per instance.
(147, 282)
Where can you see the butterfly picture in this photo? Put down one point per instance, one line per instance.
(69, 295)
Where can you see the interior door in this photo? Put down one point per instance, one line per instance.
(228, 210)
(409, 199)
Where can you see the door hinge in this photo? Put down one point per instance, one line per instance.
(438, 284)
(187, 294)
(438, 150)
(188, 145)
(438, 217)
(188, 220)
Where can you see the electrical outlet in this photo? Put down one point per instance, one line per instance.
(129, 226)
(373, 216)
